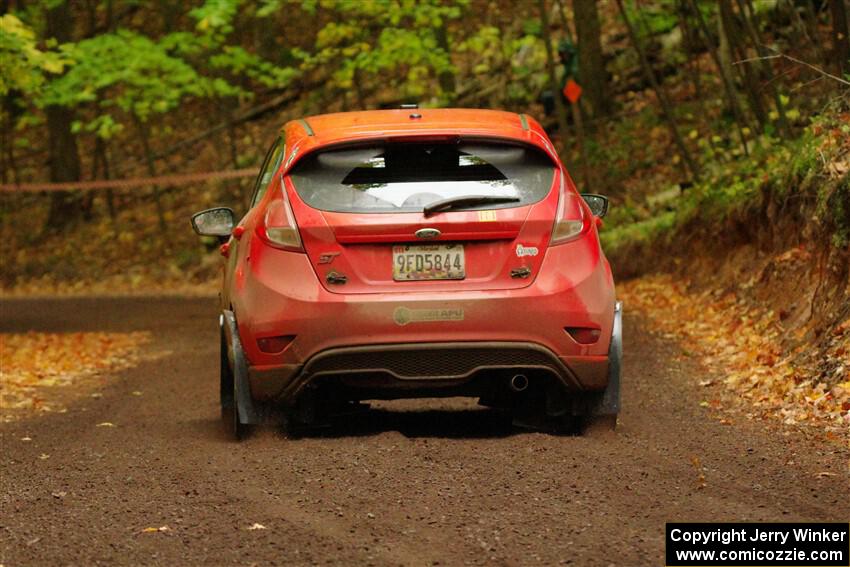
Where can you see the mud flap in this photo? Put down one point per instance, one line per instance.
(248, 414)
(609, 402)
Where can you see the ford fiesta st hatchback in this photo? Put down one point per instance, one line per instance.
(416, 253)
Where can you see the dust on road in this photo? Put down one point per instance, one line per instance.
(411, 483)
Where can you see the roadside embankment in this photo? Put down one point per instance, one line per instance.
(750, 270)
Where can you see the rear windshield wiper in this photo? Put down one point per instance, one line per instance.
(465, 201)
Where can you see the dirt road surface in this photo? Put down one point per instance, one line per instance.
(412, 483)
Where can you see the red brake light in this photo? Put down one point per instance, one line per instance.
(278, 227)
(570, 220)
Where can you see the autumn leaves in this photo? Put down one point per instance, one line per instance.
(34, 365)
(740, 346)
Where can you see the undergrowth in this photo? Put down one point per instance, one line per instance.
(809, 175)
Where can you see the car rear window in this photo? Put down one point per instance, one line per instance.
(406, 177)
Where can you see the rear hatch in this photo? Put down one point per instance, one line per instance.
(446, 214)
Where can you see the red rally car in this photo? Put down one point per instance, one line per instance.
(416, 253)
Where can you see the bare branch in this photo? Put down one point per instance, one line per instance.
(798, 61)
(751, 59)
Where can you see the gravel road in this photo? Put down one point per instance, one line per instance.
(410, 483)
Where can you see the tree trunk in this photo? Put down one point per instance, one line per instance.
(150, 160)
(733, 35)
(689, 45)
(63, 155)
(661, 94)
(11, 110)
(591, 64)
(101, 164)
(170, 14)
(564, 22)
(582, 152)
(764, 66)
(809, 27)
(840, 39)
(560, 111)
(728, 84)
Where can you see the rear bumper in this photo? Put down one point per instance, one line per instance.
(400, 370)
(397, 338)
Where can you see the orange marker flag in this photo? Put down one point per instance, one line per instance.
(572, 90)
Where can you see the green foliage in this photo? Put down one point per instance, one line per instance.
(126, 74)
(215, 17)
(240, 63)
(383, 43)
(131, 72)
(656, 18)
(521, 60)
(639, 233)
(23, 66)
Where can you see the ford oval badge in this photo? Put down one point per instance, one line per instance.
(427, 233)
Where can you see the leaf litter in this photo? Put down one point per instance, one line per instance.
(33, 364)
(741, 348)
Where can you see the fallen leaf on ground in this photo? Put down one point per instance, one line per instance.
(154, 530)
(256, 527)
(105, 424)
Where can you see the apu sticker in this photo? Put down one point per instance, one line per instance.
(486, 216)
(525, 250)
(402, 315)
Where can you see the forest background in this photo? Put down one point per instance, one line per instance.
(720, 130)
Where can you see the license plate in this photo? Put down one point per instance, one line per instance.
(428, 262)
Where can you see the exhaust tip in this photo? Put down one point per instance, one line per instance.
(519, 383)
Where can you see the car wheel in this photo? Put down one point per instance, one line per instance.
(565, 424)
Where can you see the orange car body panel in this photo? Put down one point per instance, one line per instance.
(276, 292)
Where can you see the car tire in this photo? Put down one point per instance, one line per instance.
(565, 425)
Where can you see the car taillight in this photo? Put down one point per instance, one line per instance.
(278, 227)
(584, 335)
(570, 220)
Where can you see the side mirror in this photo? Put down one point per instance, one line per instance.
(598, 204)
(214, 222)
